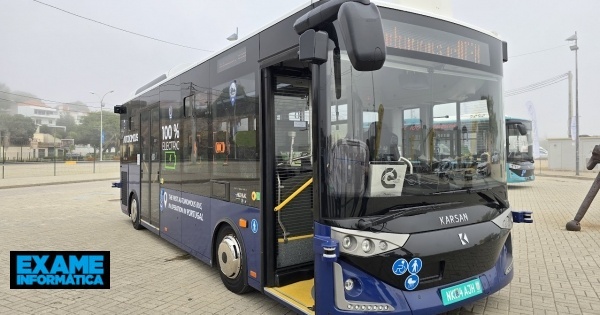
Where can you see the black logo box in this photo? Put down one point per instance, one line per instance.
(52, 256)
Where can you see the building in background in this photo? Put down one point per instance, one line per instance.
(75, 110)
(41, 113)
(561, 153)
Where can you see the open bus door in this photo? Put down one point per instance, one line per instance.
(150, 167)
(291, 220)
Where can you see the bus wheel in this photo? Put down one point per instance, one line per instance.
(230, 258)
(134, 213)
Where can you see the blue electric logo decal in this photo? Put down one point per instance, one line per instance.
(254, 226)
(59, 270)
(163, 199)
(400, 266)
(232, 92)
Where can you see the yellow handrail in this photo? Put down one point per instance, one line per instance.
(292, 196)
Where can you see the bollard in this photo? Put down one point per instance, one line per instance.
(587, 201)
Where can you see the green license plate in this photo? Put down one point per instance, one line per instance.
(461, 291)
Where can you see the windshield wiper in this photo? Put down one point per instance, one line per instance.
(364, 224)
(481, 192)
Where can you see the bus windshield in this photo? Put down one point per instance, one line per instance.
(416, 129)
(520, 147)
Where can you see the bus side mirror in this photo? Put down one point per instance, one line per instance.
(522, 129)
(120, 109)
(362, 31)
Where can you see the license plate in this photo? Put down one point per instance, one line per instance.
(461, 291)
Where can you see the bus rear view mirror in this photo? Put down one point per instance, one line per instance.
(522, 129)
(120, 109)
(362, 31)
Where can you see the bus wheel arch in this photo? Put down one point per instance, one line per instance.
(133, 207)
(229, 254)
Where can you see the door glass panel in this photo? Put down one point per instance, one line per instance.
(155, 166)
(145, 141)
(293, 169)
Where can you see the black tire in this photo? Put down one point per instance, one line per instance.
(231, 261)
(134, 212)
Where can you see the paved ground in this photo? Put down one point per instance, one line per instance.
(148, 275)
(557, 272)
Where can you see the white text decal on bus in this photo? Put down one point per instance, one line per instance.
(130, 138)
(170, 136)
(183, 205)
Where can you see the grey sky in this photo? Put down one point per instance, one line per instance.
(61, 57)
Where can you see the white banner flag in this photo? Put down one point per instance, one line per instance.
(534, 132)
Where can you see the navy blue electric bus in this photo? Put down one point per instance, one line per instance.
(302, 161)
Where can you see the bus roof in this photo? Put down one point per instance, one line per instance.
(177, 70)
(506, 117)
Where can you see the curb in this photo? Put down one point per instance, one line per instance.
(57, 183)
(566, 176)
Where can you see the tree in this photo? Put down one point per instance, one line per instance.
(89, 130)
(68, 121)
(19, 128)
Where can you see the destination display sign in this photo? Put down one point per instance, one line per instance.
(431, 41)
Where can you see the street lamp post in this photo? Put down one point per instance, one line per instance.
(234, 36)
(101, 110)
(576, 48)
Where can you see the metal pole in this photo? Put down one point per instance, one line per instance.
(576, 48)
(54, 147)
(570, 114)
(3, 155)
(101, 137)
(576, 109)
(101, 110)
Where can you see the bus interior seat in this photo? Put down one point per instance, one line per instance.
(388, 143)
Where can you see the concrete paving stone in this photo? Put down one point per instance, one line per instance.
(556, 272)
(517, 310)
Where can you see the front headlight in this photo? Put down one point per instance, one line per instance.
(348, 242)
(366, 245)
(363, 243)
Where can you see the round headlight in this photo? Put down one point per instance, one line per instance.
(366, 246)
(347, 242)
(349, 284)
(383, 245)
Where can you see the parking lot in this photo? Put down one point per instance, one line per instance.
(556, 272)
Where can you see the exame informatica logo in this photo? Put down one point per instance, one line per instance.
(59, 270)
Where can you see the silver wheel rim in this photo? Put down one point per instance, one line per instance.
(229, 257)
(134, 210)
